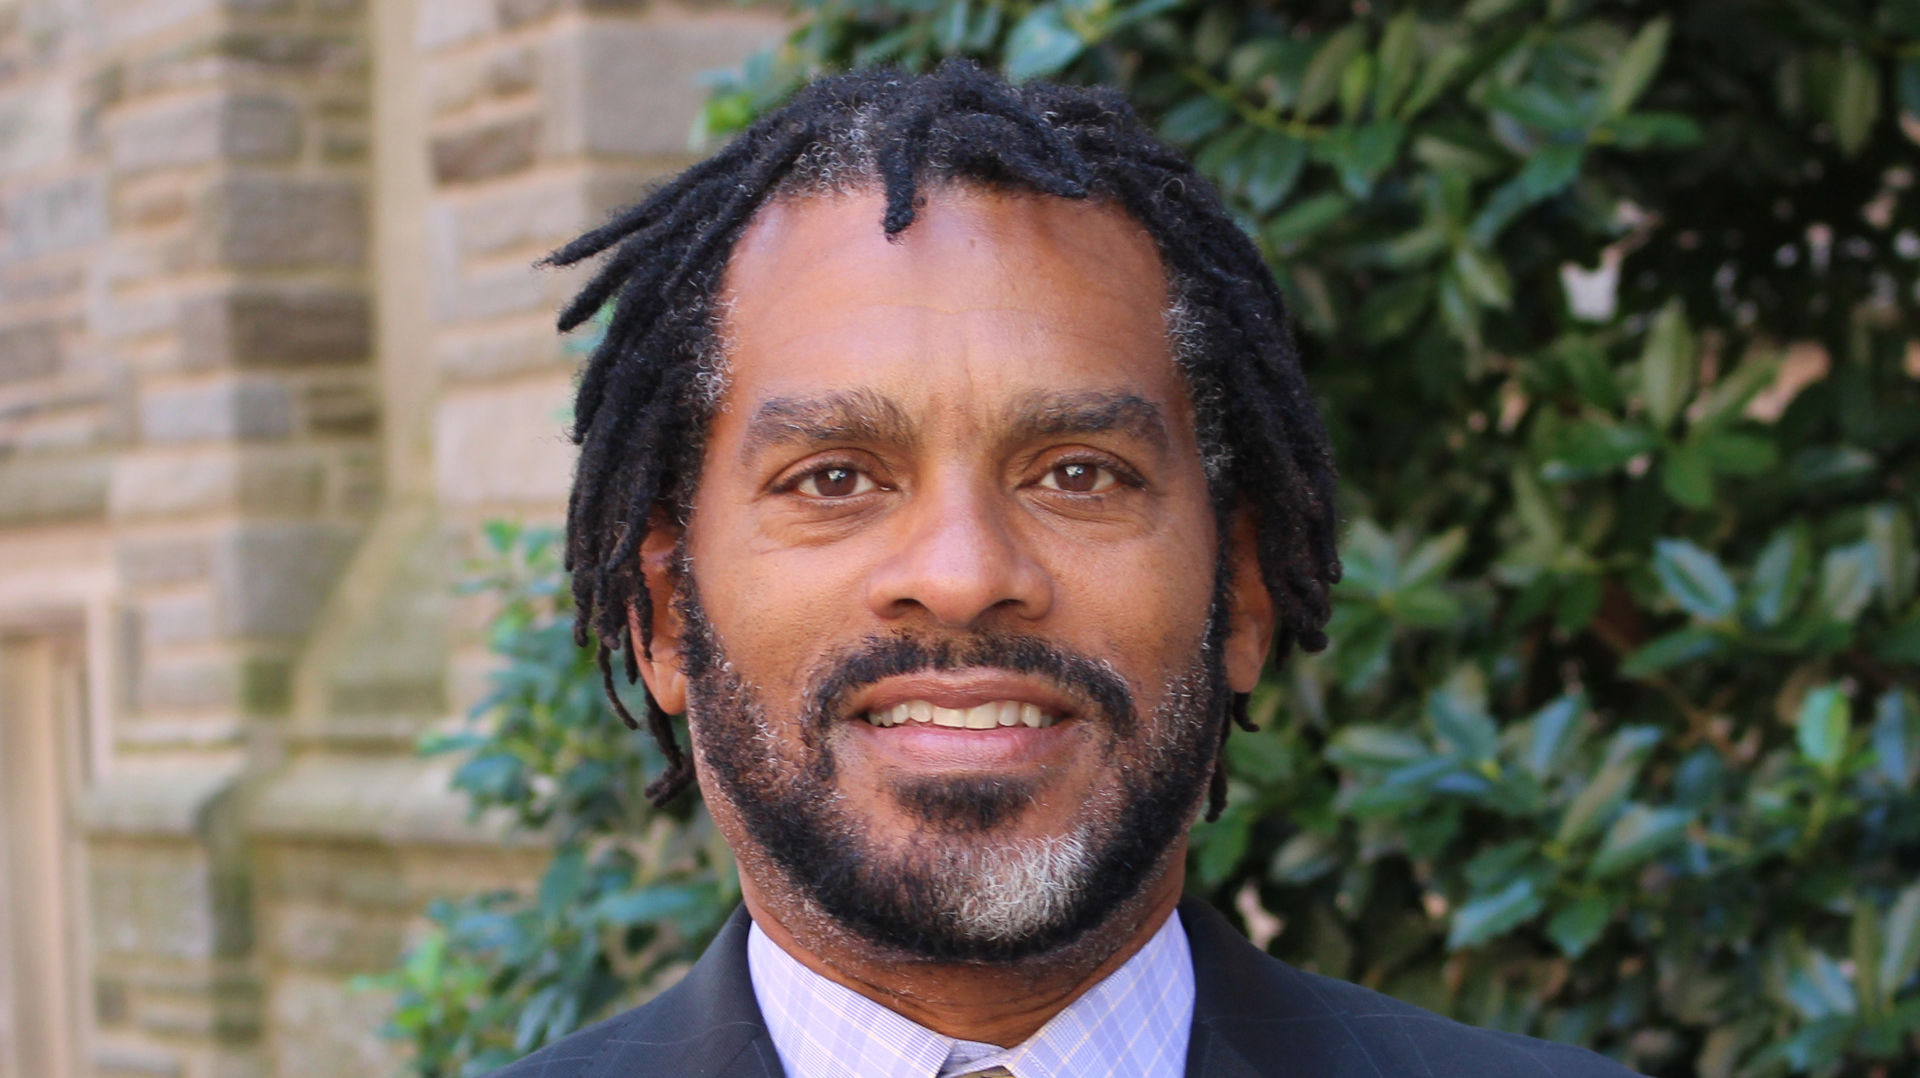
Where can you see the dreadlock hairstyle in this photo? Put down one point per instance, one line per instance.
(651, 385)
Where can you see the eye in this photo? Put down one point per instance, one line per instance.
(835, 481)
(1079, 477)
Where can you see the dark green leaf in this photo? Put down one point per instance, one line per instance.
(1040, 45)
(1213, 35)
(1273, 166)
(1896, 560)
(1596, 802)
(1399, 60)
(1321, 80)
(1654, 130)
(1676, 648)
(1440, 71)
(1635, 68)
(1825, 719)
(1553, 732)
(1853, 99)
(1195, 119)
(1735, 454)
(1458, 713)
(950, 26)
(1667, 365)
(1304, 858)
(1900, 946)
(1494, 915)
(1910, 86)
(1360, 154)
(1694, 579)
(1687, 477)
(1574, 928)
(1485, 279)
(1304, 218)
(1367, 746)
(1638, 835)
(1595, 447)
(1896, 737)
(1780, 575)
(1847, 581)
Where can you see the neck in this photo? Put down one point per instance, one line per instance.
(1002, 1004)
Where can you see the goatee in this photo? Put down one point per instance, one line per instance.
(961, 891)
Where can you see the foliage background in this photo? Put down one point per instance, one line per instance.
(1613, 310)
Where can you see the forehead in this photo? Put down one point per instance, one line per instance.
(986, 290)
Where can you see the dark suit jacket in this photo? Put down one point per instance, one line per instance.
(1253, 1017)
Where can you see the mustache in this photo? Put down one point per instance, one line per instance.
(1093, 685)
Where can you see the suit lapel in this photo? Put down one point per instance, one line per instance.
(1255, 1016)
(706, 1026)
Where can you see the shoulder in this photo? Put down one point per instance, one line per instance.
(707, 1024)
(573, 1054)
(1257, 1015)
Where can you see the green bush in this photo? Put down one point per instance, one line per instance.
(1617, 739)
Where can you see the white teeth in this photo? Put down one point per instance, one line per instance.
(986, 716)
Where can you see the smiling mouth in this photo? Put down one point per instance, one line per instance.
(988, 716)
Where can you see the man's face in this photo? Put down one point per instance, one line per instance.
(956, 623)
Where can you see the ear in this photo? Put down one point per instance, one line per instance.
(1250, 614)
(660, 664)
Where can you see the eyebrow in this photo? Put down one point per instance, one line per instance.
(1090, 412)
(866, 416)
(859, 415)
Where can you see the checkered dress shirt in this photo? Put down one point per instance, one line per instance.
(1134, 1023)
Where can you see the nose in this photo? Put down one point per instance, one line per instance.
(957, 555)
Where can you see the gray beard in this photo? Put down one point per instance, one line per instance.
(956, 893)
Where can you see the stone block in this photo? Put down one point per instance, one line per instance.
(129, 20)
(520, 12)
(156, 198)
(52, 488)
(68, 213)
(237, 127)
(270, 578)
(485, 150)
(444, 23)
(339, 408)
(261, 222)
(323, 1029)
(232, 409)
(185, 684)
(293, 52)
(512, 71)
(218, 478)
(275, 329)
(454, 84)
(630, 87)
(345, 872)
(484, 356)
(157, 899)
(174, 620)
(504, 444)
(146, 561)
(29, 351)
(342, 939)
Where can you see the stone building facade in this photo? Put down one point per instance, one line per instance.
(271, 347)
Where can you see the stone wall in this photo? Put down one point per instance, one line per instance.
(272, 345)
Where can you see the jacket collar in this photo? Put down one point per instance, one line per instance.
(706, 1026)
(709, 1025)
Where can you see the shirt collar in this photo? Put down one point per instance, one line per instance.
(1135, 1021)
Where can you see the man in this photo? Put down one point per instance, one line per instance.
(948, 462)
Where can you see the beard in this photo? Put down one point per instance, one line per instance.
(960, 890)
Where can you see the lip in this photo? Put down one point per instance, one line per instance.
(962, 689)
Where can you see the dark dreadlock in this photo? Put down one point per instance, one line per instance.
(649, 389)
